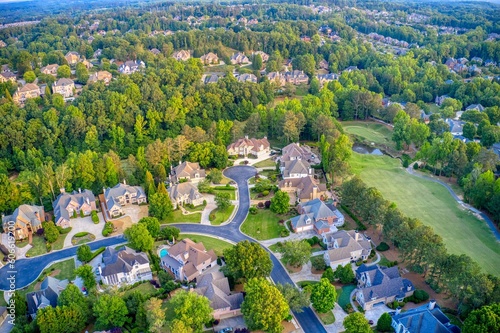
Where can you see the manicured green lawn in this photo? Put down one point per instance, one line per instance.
(195, 209)
(178, 217)
(39, 247)
(145, 288)
(2, 299)
(370, 131)
(59, 243)
(221, 216)
(232, 193)
(83, 239)
(67, 268)
(433, 205)
(269, 163)
(263, 225)
(22, 243)
(327, 318)
(344, 296)
(210, 243)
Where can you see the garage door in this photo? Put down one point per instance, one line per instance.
(378, 304)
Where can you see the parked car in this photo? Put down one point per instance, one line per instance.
(226, 330)
(84, 291)
(370, 322)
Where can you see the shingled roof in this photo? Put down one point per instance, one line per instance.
(215, 287)
(383, 282)
(122, 260)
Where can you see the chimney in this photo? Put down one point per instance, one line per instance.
(398, 310)
(356, 235)
(100, 269)
(88, 201)
(432, 304)
(246, 137)
(124, 182)
(79, 190)
(315, 192)
(62, 190)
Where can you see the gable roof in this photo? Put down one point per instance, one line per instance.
(254, 144)
(178, 191)
(305, 185)
(26, 214)
(346, 241)
(122, 260)
(29, 87)
(191, 254)
(425, 318)
(46, 296)
(63, 82)
(215, 287)
(188, 169)
(478, 107)
(296, 167)
(77, 199)
(384, 282)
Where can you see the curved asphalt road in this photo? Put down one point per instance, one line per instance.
(26, 271)
(485, 217)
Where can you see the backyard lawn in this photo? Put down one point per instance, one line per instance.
(370, 132)
(231, 191)
(269, 163)
(210, 243)
(430, 202)
(263, 225)
(39, 247)
(178, 217)
(344, 295)
(145, 288)
(59, 243)
(221, 216)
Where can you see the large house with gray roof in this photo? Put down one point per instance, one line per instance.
(344, 247)
(122, 195)
(379, 285)
(456, 126)
(424, 319)
(316, 215)
(185, 193)
(187, 260)
(245, 146)
(67, 204)
(215, 287)
(124, 266)
(49, 292)
(186, 171)
(26, 219)
(303, 189)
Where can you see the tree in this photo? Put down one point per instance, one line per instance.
(384, 323)
(419, 132)
(257, 62)
(139, 237)
(72, 295)
(153, 226)
(155, 315)
(50, 231)
(86, 272)
(223, 201)
(323, 296)
(82, 74)
(62, 319)
(169, 233)
(264, 307)
(63, 71)
(19, 302)
(84, 253)
(160, 206)
(29, 76)
(401, 133)
(280, 203)
(469, 130)
(483, 320)
(178, 326)
(110, 311)
(356, 323)
(192, 309)
(344, 274)
(328, 274)
(296, 253)
(294, 297)
(215, 176)
(247, 260)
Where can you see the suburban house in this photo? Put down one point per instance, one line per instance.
(187, 259)
(206, 79)
(316, 215)
(209, 58)
(247, 78)
(296, 151)
(87, 64)
(440, 99)
(131, 66)
(215, 287)
(456, 126)
(303, 189)
(264, 56)
(277, 78)
(425, 318)
(296, 77)
(239, 58)
(496, 149)
(379, 285)
(72, 58)
(104, 76)
(5, 68)
(189, 171)
(25, 220)
(123, 195)
(68, 204)
(64, 86)
(477, 107)
(124, 266)
(246, 146)
(29, 90)
(325, 78)
(50, 69)
(7, 76)
(181, 55)
(323, 64)
(155, 51)
(295, 169)
(477, 59)
(345, 247)
(2, 44)
(185, 193)
(49, 292)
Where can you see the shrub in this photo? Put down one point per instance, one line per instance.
(81, 234)
(62, 230)
(204, 202)
(265, 193)
(310, 241)
(384, 323)
(415, 166)
(260, 204)
(382, 247)
(420, 295)
(267, 204)
(74, 214)
(315, 239)
(318, 263)
(252, 210)
(211, 217)
(108, 229)
(95, 218)
(49, 247)
(284, 232)
(81, 213)
(40, 231)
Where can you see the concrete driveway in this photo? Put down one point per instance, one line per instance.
(375, 313)
(234, 322)
(84, 224)
(135, 212)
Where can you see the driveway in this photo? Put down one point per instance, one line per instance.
(211, 205)
(135, 212)
(375, 313)
(252, 161)
(234, 322)
(84, 224)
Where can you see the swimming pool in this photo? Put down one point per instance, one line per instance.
(163, 252)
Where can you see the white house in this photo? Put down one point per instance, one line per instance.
(124, 266)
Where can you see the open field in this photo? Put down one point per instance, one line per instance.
(210, 243)
(269, 163)
(222, 216)
(263, 225)
(430, 202)
(178, 217)
(370, 132)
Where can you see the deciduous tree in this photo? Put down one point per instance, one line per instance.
(160, 206)
(154, 314)
(296, 253)
(247, 260)
(86, 272)
(139, 237)
(323, 296)
(294, 297)
(110, 311)
(84, 253)
(153, 226)
(356, 323)
(280, 203)
(192, 309)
